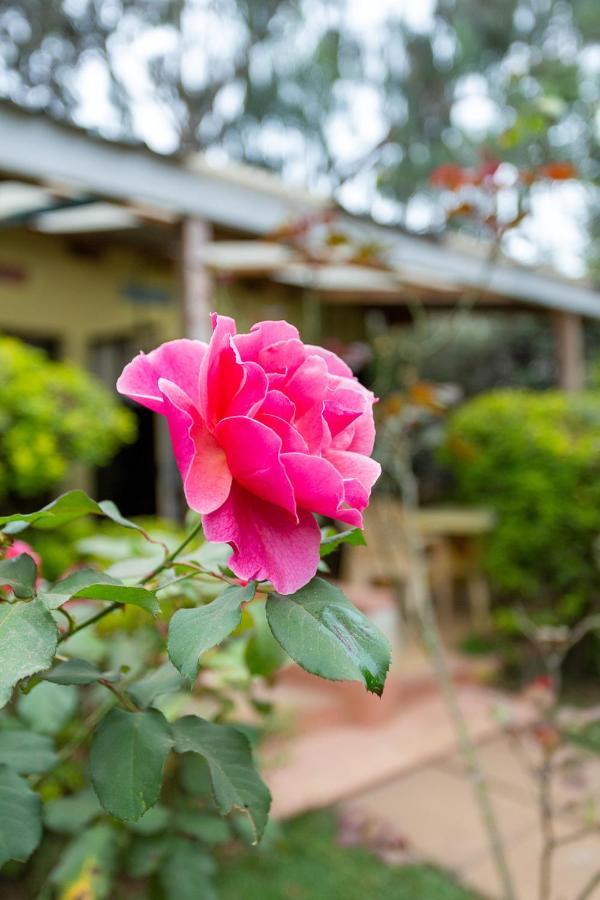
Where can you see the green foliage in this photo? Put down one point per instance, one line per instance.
(327, 636)
(534, 458)
(193, 631)
(28, 641)
(92, 705)
(20, 817)
(128, 756)
(51, 415)
(229, 757)
(19, 573)
(26, 753)
(309, 863)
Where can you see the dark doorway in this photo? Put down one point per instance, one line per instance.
(130, 479)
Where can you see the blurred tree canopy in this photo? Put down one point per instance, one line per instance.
(362, 99)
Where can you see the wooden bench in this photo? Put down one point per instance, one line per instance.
(452, 538)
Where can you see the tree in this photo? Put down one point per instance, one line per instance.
(365, 102)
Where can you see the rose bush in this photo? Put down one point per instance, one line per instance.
(98, 664)
(266, 431)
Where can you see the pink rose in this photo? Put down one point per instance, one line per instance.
(17, 548)
(266, 431)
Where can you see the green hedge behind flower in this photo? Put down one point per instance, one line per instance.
(52, 414)
(534, 457)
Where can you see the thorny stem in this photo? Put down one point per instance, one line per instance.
(91, 621)
(70, 620)
(175, 553)
(121, 696)
(435, 649)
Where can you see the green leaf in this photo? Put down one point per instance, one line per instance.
(89, 584)
(195, 776)
(25, 752)
(329, 637)
(88, 862)
(19, 573)
(127, 761)
(69, 815)
(20, 817)
(77, 671)
(235, 782)
(264, 655)
(66, 508)
(353, 536)
(164, 680)
(193, 631)
(28, 640)
(202, 826)
(146, 854)
(121, 593)
(63, 590)
(48, 707)
(186, 872)
(61, 511)
(153, 821)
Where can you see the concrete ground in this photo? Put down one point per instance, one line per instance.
(398, 765)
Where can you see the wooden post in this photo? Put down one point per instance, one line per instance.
(197, 283)
(196, 306)
(570, 352)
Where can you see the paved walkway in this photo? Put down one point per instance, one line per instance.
(398, 765)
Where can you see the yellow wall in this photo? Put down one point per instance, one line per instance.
(76, 298)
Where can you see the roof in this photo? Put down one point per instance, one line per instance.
(76, 169)
(38, 148)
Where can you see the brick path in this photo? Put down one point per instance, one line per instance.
(398, 764)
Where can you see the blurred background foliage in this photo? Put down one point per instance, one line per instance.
(52, 415)
(535, 459)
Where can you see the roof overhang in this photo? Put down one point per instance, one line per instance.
(77, 169)
(36, 147)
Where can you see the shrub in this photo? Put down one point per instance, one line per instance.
(51, 415)
(535, 459)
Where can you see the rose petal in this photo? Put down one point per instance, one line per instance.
(261, 335)
(363, 434)
(277, 404)
(283, 356)
(335, 365)
(343, 405)
(268, 543)
(319, 487)
(291, 439)
(208, 481)
(221, 375)
(251, 393)
(202, 463)
(181, 414)
(253, 455)
(177, 361)
(355, 466)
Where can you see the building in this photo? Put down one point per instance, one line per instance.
(107, 248)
